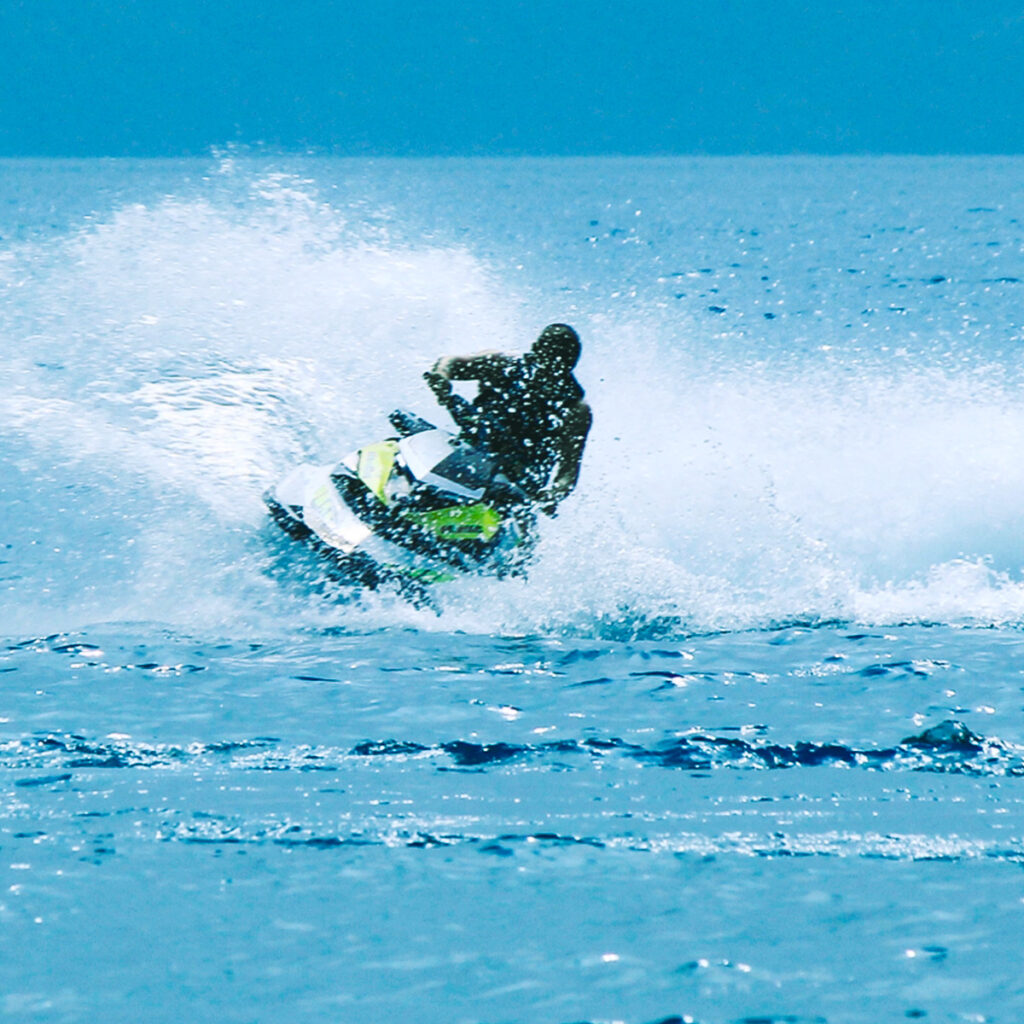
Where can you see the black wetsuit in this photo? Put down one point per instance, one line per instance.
(519, 415)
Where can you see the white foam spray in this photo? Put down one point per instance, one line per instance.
(182, 354)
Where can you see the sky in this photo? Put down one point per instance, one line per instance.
(511, 77)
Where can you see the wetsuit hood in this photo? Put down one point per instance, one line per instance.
(557, 350)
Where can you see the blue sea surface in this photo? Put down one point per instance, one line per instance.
(746, 744)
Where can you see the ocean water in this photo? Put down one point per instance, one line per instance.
(746, 745)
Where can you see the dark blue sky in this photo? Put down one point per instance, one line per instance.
(156, 77)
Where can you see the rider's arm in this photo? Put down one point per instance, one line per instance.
(570, 454)
(483, 366)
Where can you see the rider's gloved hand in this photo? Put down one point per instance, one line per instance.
(439, 384)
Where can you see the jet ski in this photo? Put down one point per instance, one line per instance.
(415, 509)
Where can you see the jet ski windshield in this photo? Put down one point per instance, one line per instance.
(434, 457)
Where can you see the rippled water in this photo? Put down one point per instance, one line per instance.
(745, 746)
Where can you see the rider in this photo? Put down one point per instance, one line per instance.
(528, 413)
